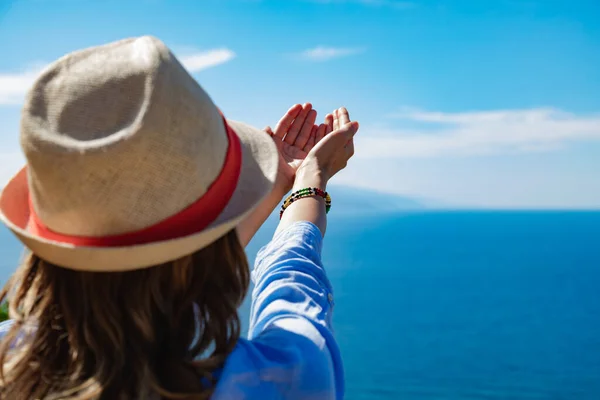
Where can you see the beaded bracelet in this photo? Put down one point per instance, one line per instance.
(307, 192)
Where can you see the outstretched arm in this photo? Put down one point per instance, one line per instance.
(328, 157)
(292, 300)
(294, 135)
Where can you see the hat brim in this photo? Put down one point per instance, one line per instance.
(260, 161)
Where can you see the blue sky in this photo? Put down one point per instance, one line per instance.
(468, 103)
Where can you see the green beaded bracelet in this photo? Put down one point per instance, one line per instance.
(306, 192)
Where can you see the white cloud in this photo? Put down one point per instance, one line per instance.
(198, 61)
(477, 133)
(322, 53)
(14, 85)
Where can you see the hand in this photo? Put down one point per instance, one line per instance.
(331, 154)
(293, 144)
(295, 135)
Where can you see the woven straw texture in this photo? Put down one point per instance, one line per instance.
(117, 138)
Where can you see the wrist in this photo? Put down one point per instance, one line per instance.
(283, 183)
(310, 177)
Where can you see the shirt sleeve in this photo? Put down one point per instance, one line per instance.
(291, 313)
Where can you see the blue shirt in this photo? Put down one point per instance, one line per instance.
(290, 352)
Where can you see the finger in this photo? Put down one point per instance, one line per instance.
(304, 134)
(286, 121)
(268, 130)
(320, 134)
(343, 116)
(329, 124)
(312, 140)
(336, 121)
(292, 133)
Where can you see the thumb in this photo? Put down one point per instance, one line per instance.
(347, 131)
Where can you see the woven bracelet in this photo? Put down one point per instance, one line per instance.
(307, 192)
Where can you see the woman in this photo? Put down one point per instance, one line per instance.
(136, 201)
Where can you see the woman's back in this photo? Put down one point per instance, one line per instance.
(290, 351)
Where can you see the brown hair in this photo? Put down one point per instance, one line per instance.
(158, 332)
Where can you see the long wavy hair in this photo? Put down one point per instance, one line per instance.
(158, 332)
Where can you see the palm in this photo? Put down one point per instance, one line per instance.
(294, 136)
(290, 159)
(292, 156)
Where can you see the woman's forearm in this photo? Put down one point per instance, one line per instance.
(311, 209)
(249, 226)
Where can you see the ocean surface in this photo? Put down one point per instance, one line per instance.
(459, 305)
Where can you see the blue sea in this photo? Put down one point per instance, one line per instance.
(460, 305)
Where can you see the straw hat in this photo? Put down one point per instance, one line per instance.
(129, 162)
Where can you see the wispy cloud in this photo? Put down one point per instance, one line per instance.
(322, 53)
(397, 4)
(477, 133)
(14, 85)
(200, 60)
